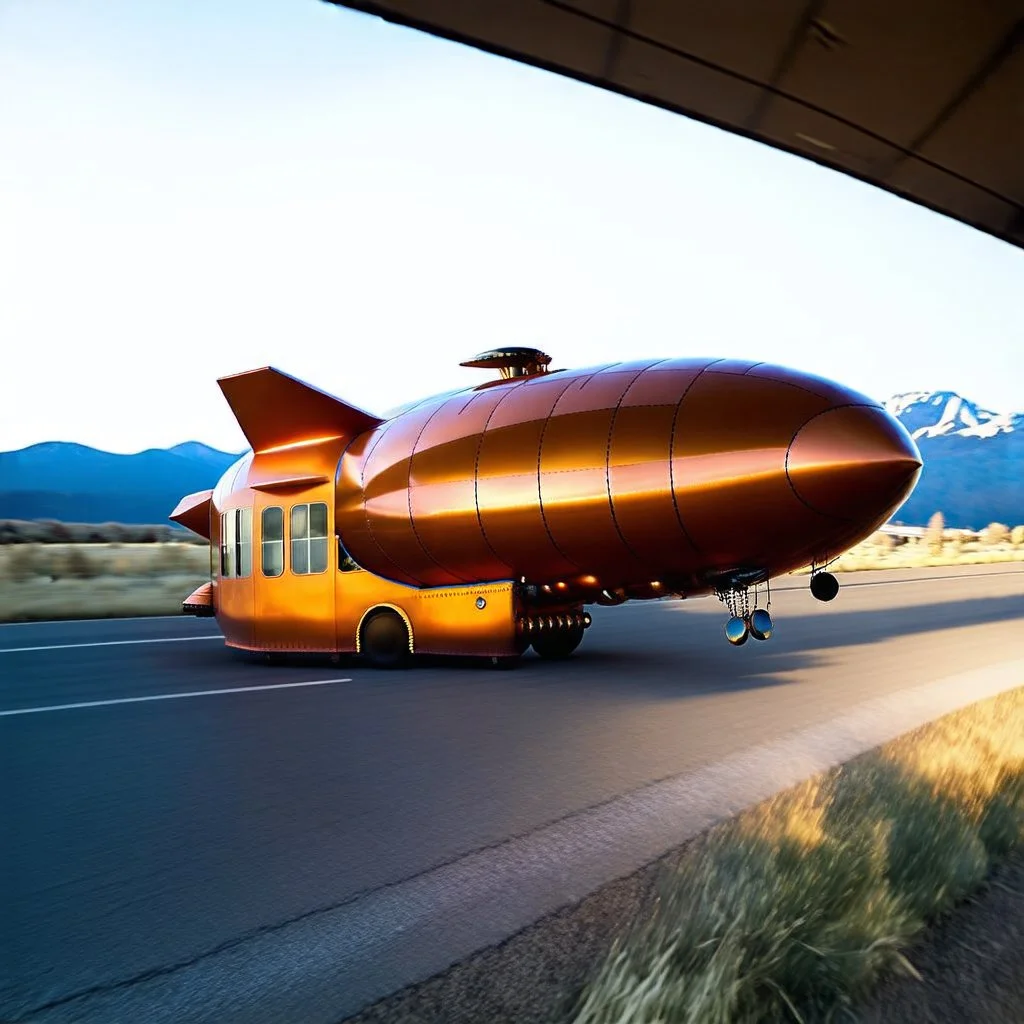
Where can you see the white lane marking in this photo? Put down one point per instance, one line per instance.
(112, 643)
(169, 696)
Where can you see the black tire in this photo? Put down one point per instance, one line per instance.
(558, 643)
(384, 641)
(824, 586)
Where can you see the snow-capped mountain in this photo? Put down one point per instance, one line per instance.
(938, 413)
(973, 460)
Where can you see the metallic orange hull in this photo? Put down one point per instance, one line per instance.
(675, 471)
(636, 479)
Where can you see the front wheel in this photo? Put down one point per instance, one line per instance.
(384, 642)
(558, 643)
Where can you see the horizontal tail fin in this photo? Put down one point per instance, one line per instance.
(275, 410)
(199, 602)
(193, 512)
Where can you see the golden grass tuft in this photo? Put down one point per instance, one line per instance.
(795, 908)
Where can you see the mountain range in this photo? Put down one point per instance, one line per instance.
(973, 471)
(76, 484)
(973, 460)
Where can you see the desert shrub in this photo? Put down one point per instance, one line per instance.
(32, 533)
(72, 563)
(55, 532)
(995, 533)
(78, 565)
(13, 531)
(26, 561)
(1017, 536)
(113, 533)
(169, 559)
(884, 541)
(933, 533)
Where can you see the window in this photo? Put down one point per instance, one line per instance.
(236, 542)
(227, 544)
(273, 541)
(309, 538)
(243, 542)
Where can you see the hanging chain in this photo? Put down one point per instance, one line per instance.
(737, 601)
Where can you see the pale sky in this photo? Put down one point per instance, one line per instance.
(194, 188)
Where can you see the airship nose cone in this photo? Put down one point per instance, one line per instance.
(853, 462)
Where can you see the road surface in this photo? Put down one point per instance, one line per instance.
(172, 851)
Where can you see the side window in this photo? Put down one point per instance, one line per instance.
(243, 543)
(228, 541)
(273, 541)
(346, 563)
(309, 538)
(236, 542)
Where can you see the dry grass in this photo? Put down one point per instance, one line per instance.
(794, 909)
(879, 552)
(106, 597)
(62, 581)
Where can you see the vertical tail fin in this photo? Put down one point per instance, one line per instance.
(275, 410)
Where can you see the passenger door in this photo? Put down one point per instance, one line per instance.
(295, 575)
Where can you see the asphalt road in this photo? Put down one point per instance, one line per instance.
(172, 853)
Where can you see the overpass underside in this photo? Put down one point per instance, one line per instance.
(923, 98)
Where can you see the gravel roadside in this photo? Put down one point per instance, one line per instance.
(971, 963)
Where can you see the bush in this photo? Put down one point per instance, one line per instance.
(76, 564)
(25, 562)
(995, 533)
(933, 534)
(1017, 536)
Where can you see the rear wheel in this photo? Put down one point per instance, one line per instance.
(559, 643)
(384, 642)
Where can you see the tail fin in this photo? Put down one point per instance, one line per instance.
(274, 410)
(193, 512)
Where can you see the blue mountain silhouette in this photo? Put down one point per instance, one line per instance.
(76, 484)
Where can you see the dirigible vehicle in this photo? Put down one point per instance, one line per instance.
(483, 521)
